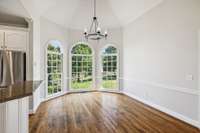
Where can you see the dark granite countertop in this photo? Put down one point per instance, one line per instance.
(18, 90)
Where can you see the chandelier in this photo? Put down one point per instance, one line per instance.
(94, 32)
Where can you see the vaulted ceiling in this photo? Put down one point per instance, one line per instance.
(78, 13)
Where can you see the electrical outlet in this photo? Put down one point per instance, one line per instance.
(189, 77)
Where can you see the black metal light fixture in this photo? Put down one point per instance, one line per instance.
(95, 31)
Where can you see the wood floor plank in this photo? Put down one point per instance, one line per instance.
(99, 112)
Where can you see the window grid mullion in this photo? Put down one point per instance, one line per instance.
(54, 71)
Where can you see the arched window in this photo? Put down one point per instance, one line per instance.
(110, 68)
(54, 67)
(81, 67)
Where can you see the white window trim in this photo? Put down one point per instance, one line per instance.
(118, 67)
(70, 89)
(46, 71)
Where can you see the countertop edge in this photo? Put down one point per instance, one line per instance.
(26, 89)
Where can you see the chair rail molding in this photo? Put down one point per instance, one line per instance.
(169, 87)
(147, 85)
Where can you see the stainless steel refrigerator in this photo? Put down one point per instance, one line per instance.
(12, 67)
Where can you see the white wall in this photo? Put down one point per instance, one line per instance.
(43, 31)
(51, 31)
(115, 37)
(36, 49)
(34, 40)
(68, 37)
(160, 54)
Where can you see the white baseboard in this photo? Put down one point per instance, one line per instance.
(54, 96)
(166, 110)
(31, 112)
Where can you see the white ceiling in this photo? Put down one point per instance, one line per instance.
(13, 7)
(78, 14)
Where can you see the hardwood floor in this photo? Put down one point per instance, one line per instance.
(98, 112)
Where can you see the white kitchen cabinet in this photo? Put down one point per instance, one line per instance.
(36, 99)
(14, 116)
(2, 117)
(23, 115)
(1, 37)
(14, 39)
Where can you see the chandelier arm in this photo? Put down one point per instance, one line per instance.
(91, 26)
(96, 25)
(96, 34)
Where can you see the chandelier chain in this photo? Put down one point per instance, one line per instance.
(95, 31)
(95, 12)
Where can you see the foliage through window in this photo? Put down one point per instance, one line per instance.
(110, 50)
(54, 67)
(81, 69)
(110, 68)
(82, 49)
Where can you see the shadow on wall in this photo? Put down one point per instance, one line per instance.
(11, 20)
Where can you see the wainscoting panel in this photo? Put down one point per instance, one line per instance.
(181, 103)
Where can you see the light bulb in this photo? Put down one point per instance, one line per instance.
(106, 32)
(85, 31)
(99, 29)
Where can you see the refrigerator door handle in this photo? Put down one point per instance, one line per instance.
(10, 63)
(1, 68)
